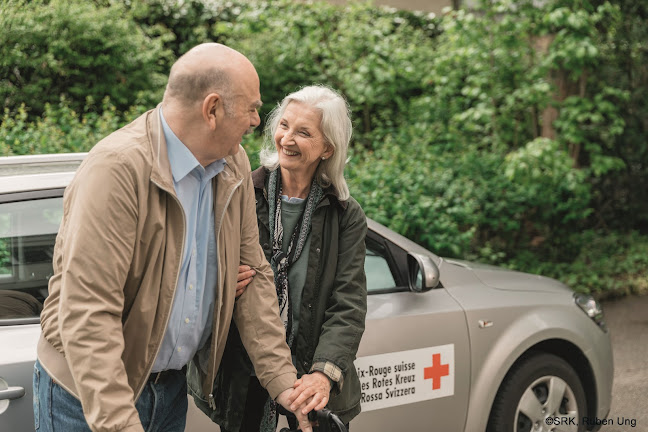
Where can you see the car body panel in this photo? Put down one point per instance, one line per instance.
(45, 181)
(521, 320)
(502, 278)
(404, 321)
(16, 368)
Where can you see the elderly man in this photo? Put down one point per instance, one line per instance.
(156, 222)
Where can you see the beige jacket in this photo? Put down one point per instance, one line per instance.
(116, 264)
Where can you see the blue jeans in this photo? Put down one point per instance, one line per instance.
(162, 406)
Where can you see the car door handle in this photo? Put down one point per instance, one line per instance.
(12, 393)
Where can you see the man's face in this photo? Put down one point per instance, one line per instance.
(241, 116)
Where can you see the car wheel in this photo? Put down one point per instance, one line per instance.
(542, 393)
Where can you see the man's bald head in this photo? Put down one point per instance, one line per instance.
(206, 68)
(212, 100)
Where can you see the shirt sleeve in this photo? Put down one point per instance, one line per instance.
(333, 372)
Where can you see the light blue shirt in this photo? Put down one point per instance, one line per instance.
(192, 313)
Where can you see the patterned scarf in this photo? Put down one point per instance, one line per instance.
(281, 262)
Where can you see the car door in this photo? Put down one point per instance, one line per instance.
(28, 226)
(413, 361)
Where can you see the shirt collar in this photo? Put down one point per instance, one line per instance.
(181, 159)
(214, 168)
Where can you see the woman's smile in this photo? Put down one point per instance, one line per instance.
(289, 152)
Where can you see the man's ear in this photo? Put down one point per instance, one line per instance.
(213, 110)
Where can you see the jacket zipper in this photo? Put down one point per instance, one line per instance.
(211, 401)
(175, 286)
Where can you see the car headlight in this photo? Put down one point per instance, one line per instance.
(592, 308)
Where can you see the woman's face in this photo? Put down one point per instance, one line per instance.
(299, 140)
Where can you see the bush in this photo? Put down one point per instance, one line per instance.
(377, 57)
(60, 129)
(621, 197)
(50, 49)
(473, 177)
(609, 265)
(429, 201)
(181, 25)
(477, 205)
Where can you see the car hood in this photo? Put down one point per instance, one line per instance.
(509, 280)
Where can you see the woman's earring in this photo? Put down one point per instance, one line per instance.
(323, 157)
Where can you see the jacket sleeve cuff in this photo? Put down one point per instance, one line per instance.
(281, 383)
(332, 371)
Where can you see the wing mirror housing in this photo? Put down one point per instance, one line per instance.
(423, 273)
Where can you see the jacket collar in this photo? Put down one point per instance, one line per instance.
(260, 175)
(161, 167)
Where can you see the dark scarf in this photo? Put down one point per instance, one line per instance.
(281, 262)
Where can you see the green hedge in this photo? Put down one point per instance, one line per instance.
(59, 129)
(609, 264)
(75, 49)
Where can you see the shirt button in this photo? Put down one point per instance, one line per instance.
(187, 320)
(190, 287)
(317, 250)
(179, 349)
(193, 253)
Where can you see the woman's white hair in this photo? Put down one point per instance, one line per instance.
(335, 126)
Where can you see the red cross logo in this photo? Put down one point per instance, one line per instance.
(436, 371)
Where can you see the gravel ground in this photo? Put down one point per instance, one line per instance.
(628, 322)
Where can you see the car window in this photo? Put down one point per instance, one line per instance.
(379, 275)
(27, 235)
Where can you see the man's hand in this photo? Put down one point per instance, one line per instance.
(311, 392)
(302, 419)
(245, 276)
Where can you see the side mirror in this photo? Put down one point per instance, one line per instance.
(422, 272)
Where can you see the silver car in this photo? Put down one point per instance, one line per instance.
(449, 345)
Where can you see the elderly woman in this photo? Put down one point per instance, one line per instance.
(313, 234)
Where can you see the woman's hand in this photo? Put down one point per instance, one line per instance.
(245, 276)
(284, 400)
(310, 392)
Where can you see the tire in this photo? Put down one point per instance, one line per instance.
(541, 393)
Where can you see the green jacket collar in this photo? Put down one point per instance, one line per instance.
(260, 175)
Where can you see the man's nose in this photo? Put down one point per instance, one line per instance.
(256, 119)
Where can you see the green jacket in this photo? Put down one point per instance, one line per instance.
(333, 308)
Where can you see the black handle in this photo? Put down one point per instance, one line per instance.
(327, 420)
